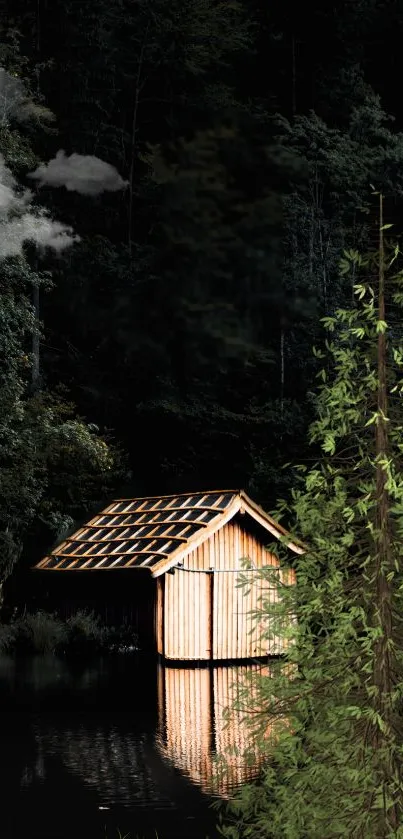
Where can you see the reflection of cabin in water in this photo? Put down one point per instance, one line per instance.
(214, 752)
(187, 551)
(125, 762)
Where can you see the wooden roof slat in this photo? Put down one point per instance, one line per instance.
(43, 562)
(177, 521)
(84, 564)
(101, 562)
(137, 534)
(125, 553)
(206, 507)
(126, 564)
(131, 561)
(112, 564)
(72, 564)
(166, 538)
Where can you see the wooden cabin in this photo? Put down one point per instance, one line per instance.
(190, 548)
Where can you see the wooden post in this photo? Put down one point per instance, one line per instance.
(211, 613)
(160, 616)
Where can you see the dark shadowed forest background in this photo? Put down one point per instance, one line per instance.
(169, 347)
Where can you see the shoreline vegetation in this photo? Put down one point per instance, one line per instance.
(81, 634)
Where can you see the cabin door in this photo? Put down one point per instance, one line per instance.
(187, 615)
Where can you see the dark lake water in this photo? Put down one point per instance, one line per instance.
(120, 743)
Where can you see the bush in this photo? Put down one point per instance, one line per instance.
(82, 633)
(6, 637)
(36, 633)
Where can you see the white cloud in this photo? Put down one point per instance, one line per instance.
(85, 174)
(21, 222)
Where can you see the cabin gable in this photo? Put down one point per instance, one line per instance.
(202, 613)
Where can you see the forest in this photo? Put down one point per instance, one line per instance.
(158, 314)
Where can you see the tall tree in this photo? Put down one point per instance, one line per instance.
(340, 758)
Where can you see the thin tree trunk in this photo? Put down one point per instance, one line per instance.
(384, 656)
(311, 247)
(282, 377)
(324, 272)
(282, 335)
(293, 78)
(36, 369)
(133, 140)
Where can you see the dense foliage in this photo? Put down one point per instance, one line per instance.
(343, 704)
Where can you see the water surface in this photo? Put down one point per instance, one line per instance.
(120, 742)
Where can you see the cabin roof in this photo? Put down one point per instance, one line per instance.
(154, 532)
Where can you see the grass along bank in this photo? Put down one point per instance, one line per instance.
(81, 634)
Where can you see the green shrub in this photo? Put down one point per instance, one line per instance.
(83, 634)
(80, 634)
(34, 633)
(6, 638)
